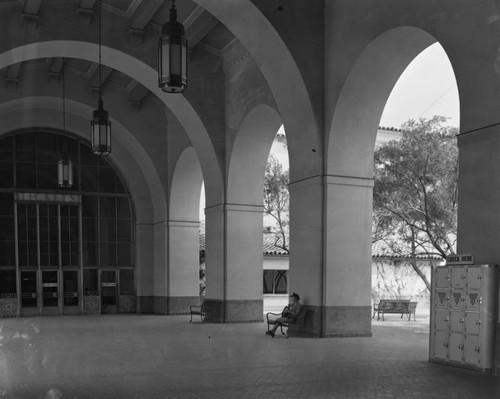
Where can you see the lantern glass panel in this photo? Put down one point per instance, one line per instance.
(175, 59)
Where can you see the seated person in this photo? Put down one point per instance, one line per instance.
(288, 315)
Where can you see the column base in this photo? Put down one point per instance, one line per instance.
(233, 311)
(338, 321)
(145, 304)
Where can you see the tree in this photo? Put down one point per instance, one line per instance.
(276, 201)
(415, 191)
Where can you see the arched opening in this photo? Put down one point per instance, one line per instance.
(65, 250)
(402, 262)
(276, 226)
(183, 277)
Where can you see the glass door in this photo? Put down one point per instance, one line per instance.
(71, 300)
(109, 292)
(29, 295)
(50, 292)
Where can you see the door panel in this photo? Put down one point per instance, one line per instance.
(50, 292)
(71, 298)
(29, 295)
(109, 292)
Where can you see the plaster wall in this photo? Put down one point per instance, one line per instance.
(275, 262)
(479, 195)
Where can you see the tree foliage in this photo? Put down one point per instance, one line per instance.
(415, 191)
(276, 201)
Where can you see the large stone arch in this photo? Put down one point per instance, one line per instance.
(143, 74)
(137, 169)
(183, 233)
(234, 230)
(345, 280)
(186, 187)
(248, 158)
(355, 118)
(283, 76)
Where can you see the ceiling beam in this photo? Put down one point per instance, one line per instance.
(29, 15)
(11, 77)
(85, 11)
(197, 26)
(55, 67)
(136, 96)
(141, 18)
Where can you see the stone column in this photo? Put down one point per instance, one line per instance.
(234, 263)
(330, 263)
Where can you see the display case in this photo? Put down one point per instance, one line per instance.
(464, 301)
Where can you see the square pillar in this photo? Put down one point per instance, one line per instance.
(330, 262)
(234, 262)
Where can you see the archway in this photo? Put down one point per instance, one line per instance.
(183, 233)
(143, 74)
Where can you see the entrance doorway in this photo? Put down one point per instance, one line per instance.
(50, 293)
(109, 292)
(71, 298)
(29, 294)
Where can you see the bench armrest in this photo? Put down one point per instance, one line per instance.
(272, 314)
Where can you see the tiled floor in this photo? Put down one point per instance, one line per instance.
(167, 357)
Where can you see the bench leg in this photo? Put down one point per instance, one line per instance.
(191, 319)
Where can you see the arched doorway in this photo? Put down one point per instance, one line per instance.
(65, 250)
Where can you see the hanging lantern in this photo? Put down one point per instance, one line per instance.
(64, 164)
(172, 55)
(100, 131)
(100, 126)
(65, 169)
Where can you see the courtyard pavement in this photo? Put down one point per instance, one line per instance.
(148, 357)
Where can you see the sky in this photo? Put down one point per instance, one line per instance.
(426, 88)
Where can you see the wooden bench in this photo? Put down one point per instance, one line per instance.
(295, 323)
(197, 310)
(395, 306)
